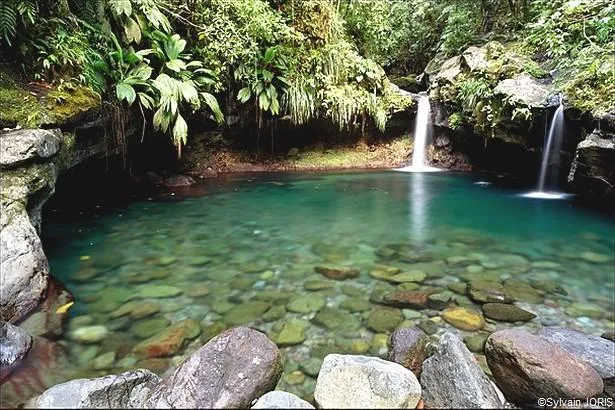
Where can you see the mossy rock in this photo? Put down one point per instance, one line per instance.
(39, 106)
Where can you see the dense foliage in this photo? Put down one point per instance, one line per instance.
(167, 59)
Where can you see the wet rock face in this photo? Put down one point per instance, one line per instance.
(22, 146)
(527, 367)
(126, 390)
(592, 172)
(452, 378)
(231, 370)
(14, 345)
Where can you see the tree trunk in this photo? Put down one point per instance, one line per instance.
(57, 8)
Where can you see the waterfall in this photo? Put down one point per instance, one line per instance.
(553, 141)
(549, 166)
(421, 132)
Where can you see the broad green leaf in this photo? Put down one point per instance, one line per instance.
(120, 7)
(244, 94)
(142, 72)
(161, 120)
(173, 46)
(180, 130)
(263, 101)
(126, 92)
(132, 31)
(189, 92)
(212, 103)
(146, 100)
(275, 106)
(270, 54)
(176, 65)
(267, 75)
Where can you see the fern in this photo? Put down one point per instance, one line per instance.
(8, 20)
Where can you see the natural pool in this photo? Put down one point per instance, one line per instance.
(155, 279)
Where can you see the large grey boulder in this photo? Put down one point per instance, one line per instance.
(598, 352)
(592, 172)
(357, 382)
(527, 367)
(22, 146)
(281, 400)
(231, 370)
(24, 273)
(126, 390)
(452, 378)
(14, 345)
(524, 88)
(28, 180)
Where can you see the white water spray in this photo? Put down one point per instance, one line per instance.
(421, 131)
(551, 149)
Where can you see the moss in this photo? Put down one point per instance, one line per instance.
(34, 106)
(17, 106)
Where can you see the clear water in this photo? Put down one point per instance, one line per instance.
(253, 234)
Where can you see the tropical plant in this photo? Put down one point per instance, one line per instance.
(12, 14)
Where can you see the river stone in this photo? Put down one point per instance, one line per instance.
(278, 399)
(594, 257)
(522, 291)
(306, 304)
(527, 367)
(170, 341)
(410, 276)
(337, 272)
(407, 299)
(484, 291)
(15, 343)
(452, 378)
(292, 333)
(578, 309)
(595, 350)
(476, 343)
(274, 313)
(355, 304)
(230, 371)
(464, 318)
(149, 327)
(506, 313)
(384, 319)
(314, 285)
(311, 366)
(89, 334)
(104, 361)
(365, 382)
(125, 390)
(159, 291)
(336, 319)
(409, 348)
(245, 313)
(384, 272)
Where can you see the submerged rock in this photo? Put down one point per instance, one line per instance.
(407, 299)
(452, 378)
(89, 334)
(337, 272)
(292, 333)
(365, 382)
(126, 390)
(170, 341)
(384, 319)
(527, 367)
(408, 347)
(506, 313)
(336, 319)
(178, 181)
(484, 291)
(245, 312)
(306, 303)
(230, 371)
(281, 400)
(464, 318)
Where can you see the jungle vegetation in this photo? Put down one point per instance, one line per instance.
(166, 61)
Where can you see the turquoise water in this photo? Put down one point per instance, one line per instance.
(246, 249)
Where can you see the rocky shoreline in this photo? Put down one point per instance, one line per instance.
(241, 367)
